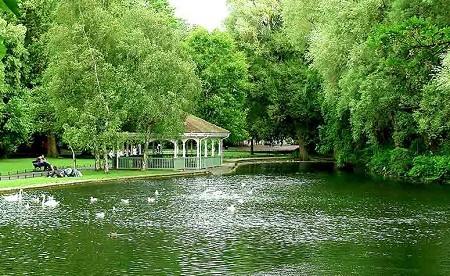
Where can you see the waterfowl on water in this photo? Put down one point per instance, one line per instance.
(50, 202)
(93, 199)
(100, 215)
(125, 201)
(150, 199)
(15, 197)
(231, 208)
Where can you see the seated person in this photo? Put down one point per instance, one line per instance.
(41, 162)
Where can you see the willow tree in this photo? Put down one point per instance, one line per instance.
(115, 62)
(376, 59)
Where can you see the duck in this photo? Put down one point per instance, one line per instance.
(50, 202)
(240, 201)
(100, 215)
(156, 193)
(112, 234)
(15, 197)
(125, 201)
(93, 199)
(231, 208)
(150, 199)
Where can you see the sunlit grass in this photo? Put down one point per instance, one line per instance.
(19, 165)
(87, 175)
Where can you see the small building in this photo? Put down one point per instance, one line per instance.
(199, 147)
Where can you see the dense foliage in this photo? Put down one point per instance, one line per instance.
(367, 81)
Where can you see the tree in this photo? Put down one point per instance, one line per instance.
(112, 63)
(223, 72)
(284, 100)
(15, 123)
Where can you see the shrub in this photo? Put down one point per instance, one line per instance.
(435, 168)
(399, 162)
(393, 162)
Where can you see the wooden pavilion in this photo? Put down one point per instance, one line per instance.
(207, 139)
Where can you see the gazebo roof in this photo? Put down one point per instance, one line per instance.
(197, 125)
(194, 128)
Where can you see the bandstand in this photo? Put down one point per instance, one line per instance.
(199, 147)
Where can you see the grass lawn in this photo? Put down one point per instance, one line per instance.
(12, 166)
(87, 175)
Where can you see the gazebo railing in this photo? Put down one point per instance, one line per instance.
(169, 162)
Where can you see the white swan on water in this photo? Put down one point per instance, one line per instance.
(125, 201)
(15, 197)
(156, 193)
(150, 199)
(93, 199)
(231, 208)
(50, 202)
(100, 215)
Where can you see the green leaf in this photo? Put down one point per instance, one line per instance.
(10, 6)
(2, 48)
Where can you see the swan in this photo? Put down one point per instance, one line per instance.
(15, 197)
(240, 201)
(50, 202)
(156, 193)
(35, 200)
(125, 201)
(150, 199)
(231, 208)
(93, 199)
(250, 192)
(100, 215)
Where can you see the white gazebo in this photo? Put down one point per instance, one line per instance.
(208, 139)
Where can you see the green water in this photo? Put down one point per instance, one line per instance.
(293, 219)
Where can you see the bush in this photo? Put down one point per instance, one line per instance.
(393, 162)
(399, 162)
(378, 162)
(434, 168)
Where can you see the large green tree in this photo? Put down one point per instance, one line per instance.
(15, 123)
(113, 62)
(223, 72)
(376, 59)
(283, 101)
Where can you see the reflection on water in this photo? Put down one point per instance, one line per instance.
(271, 219)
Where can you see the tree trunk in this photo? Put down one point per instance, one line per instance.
(73, 158)
(52, 151)
(252, 150)
(97, 157)
(145, 156)
(303, 154)
(105, 160)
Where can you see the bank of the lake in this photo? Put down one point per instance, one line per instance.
(91, 176)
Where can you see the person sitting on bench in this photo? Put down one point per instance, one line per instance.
(41, 162)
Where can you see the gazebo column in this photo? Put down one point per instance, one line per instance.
(184, 147)
(175, 148)
(220, 147)
(140, 149)
(213, 142)
(197, 141)
(206, 147)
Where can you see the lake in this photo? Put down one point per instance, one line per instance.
(267, 219)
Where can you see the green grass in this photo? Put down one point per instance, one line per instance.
(12, 166)
(87, 175)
